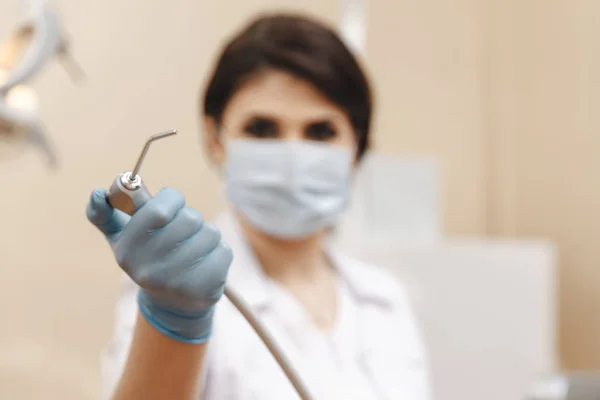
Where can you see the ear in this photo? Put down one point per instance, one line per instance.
(212, 144)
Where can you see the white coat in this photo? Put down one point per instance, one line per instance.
(374, 353)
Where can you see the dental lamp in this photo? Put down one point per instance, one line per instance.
(27, 50)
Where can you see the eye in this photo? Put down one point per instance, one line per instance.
(261, 128)
(321, 131)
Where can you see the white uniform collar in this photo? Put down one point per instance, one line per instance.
(249, 280)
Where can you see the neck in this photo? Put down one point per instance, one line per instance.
(288, 260)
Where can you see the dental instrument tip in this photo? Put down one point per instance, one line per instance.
(140, 160)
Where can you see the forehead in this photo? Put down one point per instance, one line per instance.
(278, 94)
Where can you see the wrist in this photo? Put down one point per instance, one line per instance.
(187, 326)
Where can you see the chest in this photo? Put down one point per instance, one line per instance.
(365, 360)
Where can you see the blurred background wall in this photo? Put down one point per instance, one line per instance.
(506, 94)
(543, 138)
(502, 92)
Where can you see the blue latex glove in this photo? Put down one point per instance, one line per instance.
(177, 259)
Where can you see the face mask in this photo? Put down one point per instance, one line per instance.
(288, 189)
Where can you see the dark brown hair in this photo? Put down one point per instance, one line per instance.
(304, 48)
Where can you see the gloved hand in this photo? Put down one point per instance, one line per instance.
(177, 259)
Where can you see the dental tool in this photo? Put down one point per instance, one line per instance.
(128, 193)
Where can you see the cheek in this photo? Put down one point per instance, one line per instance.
(229, 134)
(221, 142)
(347, 138)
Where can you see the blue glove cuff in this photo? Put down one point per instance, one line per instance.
(194, 327)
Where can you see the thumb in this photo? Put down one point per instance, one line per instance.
(108, 220)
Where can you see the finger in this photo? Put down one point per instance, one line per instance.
(157, 212)
(186, 223)
(108, 220)
(176, 262)
(211, 271)
(194, 248)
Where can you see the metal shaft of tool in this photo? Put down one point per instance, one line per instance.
(152, 138)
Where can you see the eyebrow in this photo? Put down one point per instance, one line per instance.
(320, 122)
(258, 120)
(259, 116)
(331, 120)
(322, 119)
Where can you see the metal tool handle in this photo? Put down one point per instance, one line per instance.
(126, 195)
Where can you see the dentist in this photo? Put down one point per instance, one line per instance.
(287, 118)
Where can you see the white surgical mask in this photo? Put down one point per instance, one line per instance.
(288, 189)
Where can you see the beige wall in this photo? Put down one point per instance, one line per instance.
(501, 91)
(544, 102)
(425, 59)
(505, 94)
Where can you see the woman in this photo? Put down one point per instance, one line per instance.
(286, 119)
